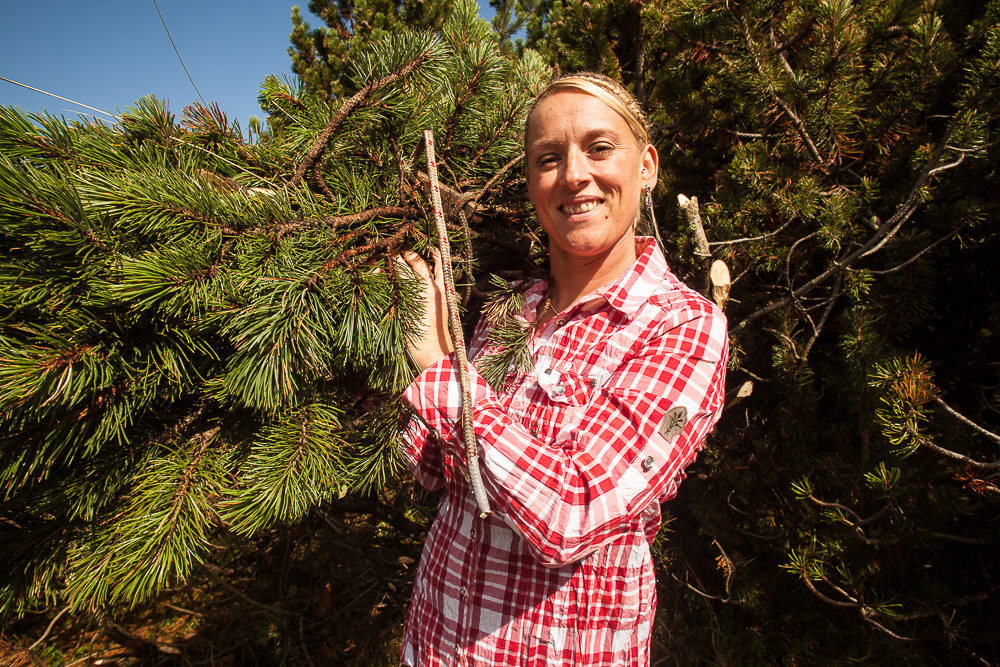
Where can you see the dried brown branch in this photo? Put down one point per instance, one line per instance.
(358, 100)
(321, 184)
(364, 216)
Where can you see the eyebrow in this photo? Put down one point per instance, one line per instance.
(596, 133)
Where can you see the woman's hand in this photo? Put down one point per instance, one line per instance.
(435, 341)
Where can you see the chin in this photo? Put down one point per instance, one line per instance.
(594, 245)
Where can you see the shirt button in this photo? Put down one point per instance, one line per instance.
(534, 432)
(548, 371)
(559, 390)
(458, 650)
(464, 591)
(472, 533)
(560, 322)
(648, 463)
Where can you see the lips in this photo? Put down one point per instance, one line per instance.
(580, 207)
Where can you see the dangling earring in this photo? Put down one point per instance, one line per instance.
(648, 201)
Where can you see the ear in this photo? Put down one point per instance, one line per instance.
(649, 163)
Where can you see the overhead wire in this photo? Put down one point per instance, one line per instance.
(85, 106)
(58, 97)
(178, 54)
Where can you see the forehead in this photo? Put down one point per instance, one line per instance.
(573, 112)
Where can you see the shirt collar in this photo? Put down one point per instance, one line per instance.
(627, 292)
(634, 287)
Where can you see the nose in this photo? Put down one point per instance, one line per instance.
(574, 173)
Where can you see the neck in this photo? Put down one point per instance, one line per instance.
(575, 277)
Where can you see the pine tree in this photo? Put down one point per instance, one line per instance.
(844, 157)
(322, 57)
(203, 338)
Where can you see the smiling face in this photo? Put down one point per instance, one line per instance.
(585, 172)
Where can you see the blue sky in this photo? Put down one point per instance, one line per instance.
(109, 53)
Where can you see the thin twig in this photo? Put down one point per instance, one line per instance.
(826, 599)
(797, 123)
(788, 277)
(888, 631)
(240, 594)
(838, 506)
(752, 374)
(777, 51)
(920, 254)
(826, 314)
(960, 539)
(967, 421)
(754, 238)
(182, 610)
(45, 634)
(958, 457)
(305, 651)
(503, 170)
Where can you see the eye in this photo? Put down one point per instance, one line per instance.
(602, 149)
(546, 160)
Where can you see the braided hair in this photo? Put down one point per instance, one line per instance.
(603, 88)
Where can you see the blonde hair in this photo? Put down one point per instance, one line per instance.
(606, 90)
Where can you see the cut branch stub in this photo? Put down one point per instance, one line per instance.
(745, 390)
(703, 255)
(721, 282)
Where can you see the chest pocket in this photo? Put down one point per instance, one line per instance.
(566, 388)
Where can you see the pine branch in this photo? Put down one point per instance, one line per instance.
(797, 122)
(886, 230)
(351, 105)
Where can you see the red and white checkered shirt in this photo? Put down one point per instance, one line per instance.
(576, 457)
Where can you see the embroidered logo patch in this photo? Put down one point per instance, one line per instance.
(673, 422)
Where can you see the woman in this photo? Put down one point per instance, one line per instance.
(578, 453)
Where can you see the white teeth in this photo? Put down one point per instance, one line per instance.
(580, 208)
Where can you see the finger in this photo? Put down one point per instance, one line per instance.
(415, 262)
(438, 266)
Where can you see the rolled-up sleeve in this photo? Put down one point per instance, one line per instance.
(421, 451)
(625, 449)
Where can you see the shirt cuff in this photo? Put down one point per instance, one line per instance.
(436, 396)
